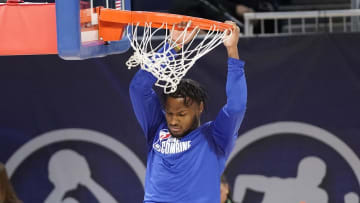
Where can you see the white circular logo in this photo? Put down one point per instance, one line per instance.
(81, 135)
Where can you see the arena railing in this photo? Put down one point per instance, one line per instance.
(301, 22)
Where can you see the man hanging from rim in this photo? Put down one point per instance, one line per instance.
(186, 158)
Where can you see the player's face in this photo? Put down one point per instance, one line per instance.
(181, 118)
(224, 191)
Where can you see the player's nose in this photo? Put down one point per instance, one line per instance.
(173, 121)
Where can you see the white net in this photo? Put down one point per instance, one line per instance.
(169, 66)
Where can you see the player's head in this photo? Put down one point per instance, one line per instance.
(67, 169)
(311, 171)
(7, 192)
(184, 107)
(224, 190)
(3, 182)
(351, 197)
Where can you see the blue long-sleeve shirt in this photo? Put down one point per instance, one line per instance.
(188, 170)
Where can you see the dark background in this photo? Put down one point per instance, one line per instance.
(309, 79)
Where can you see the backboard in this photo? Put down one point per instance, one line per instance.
(77, 29)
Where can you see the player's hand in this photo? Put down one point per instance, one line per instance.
(242, 9)
(181, 37)
(232, 37)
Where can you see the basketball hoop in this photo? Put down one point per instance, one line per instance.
(169, 67)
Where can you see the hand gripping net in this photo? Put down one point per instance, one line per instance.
(170, 67)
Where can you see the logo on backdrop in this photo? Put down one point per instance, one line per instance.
(68, 169)
(304, 188)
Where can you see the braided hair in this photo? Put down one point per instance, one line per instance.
(191, 91)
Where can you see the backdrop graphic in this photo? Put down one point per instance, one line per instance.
(68, 133)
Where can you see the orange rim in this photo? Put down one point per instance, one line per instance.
(157, 19)
(113, 22)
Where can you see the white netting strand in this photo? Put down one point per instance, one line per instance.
(167, 66)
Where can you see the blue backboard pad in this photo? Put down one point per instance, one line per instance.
(69, 44)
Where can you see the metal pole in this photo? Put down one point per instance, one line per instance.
(345, 23)
(330, 24)
(355, 4)
(247, 26)
(303, 29)
(289, 26)
(262, 26)
(355, 22)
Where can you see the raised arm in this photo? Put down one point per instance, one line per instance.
(144, 100)
(227, 122)
(146, 103)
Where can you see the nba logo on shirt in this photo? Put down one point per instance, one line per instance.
(166, 144)
(164, 135)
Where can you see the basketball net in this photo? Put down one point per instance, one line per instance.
(169, 67)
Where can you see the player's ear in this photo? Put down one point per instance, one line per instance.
(201, 107)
